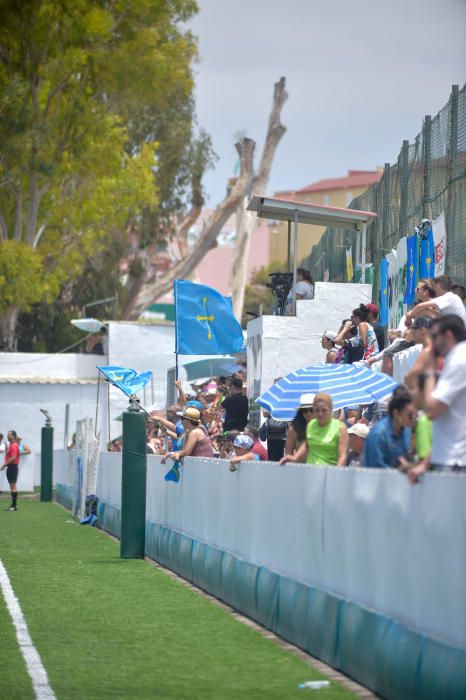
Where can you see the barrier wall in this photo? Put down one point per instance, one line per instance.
(356, 566)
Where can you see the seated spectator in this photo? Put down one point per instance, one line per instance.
(328, 343)
(116, 445)
(444, 304)
(304, 288)
(196, 441)
(236, 407)
(257, 447)
(379, 330)
(274, 433)
(460, 290)
(357, 434)
(242, 446)
(390, 438)
(365, 331)
(297, 428)
(387, 355)
(326, 437)
(352, 349)
(421, 328)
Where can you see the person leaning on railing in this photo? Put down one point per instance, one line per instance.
(326, 437)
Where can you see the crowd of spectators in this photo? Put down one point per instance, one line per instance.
(421, 427)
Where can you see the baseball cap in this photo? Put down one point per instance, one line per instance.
(359, 429)
(243, 441)
(195, 404)
(374, 308)
(331, 335)
(422, 322)
(306, 400)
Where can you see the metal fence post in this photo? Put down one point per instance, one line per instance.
(46, 459)
(133, 484)
(452, 253)
(427, 157)
(404, 188)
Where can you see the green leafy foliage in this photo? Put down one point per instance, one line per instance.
(22, 280)
(96, 129)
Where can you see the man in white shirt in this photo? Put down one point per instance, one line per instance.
(445, 303)
(445, 402)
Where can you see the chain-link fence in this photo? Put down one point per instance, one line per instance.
(427, 179)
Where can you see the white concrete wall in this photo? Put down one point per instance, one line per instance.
(28, 364)
(143, 348)
(367, 535)
(19, 410)
(288, 343)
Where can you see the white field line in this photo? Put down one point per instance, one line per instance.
(37, 672)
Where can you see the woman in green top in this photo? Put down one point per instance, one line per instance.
(326, 437)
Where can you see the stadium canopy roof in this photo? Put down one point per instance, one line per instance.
(315, 214)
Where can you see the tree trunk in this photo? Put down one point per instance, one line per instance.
(152, 290)
(246, 220)
(8, 340)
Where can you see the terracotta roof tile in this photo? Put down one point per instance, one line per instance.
(355, 178)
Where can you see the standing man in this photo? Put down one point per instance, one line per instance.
(445, 402)
(11, 465)
(236, 407)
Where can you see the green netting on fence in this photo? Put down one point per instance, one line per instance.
(427, 179)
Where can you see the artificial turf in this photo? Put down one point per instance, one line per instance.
(111, 628)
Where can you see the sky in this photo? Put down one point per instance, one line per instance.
(360, 76)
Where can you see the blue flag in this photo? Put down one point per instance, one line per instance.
(204, 321)
(427, 258)
(383, 302)
(173, 474)
(128, 380)
(411, 270)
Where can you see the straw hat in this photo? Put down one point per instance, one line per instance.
(191, 414)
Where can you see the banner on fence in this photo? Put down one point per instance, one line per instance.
(440, 244)
(397, 263)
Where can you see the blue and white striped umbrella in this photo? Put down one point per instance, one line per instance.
(346, 384)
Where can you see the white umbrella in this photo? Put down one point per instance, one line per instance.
(90, 325)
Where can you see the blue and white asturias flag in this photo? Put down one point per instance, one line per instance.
(427, 257)
(204, 321)
(127, 380)
(411, 270)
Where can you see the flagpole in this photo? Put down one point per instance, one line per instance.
(176, 334)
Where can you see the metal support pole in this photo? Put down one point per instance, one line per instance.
(67, 426)
(404, 188)
(363, 253)
(288, 258)
(133, 484)
(295, 258)
(46, 459)
(427, 147)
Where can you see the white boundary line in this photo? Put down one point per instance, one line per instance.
(36, 670)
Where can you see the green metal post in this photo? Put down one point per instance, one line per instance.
(46, 463)
(133, 484)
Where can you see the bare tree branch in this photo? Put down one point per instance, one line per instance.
(151, 290)
(246, 220)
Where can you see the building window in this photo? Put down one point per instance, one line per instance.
(349, 198)
(326, 199)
